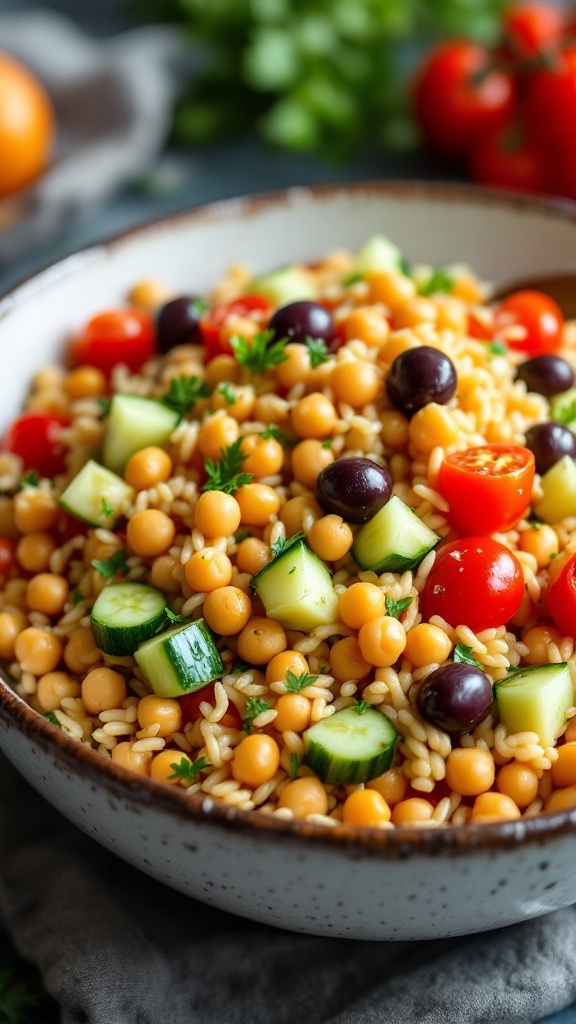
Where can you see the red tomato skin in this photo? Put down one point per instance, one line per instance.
(541, 317)
(190, 706)
(475, 582)
(561, 599)
(482, 501)
(115, 336)
(7, 557)
(454, 100)
(502, 160)
(212, 321)
(34, 437)
(551, 105)
(531, 29)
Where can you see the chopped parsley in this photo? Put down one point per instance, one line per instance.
(254, 707)
(30, 479)
(395, 608)
(497, 348)
(239, 537)
(77, 597)
(273, 431)
(200, 306)
(294, 765)
(536, 524)
(173, 617)
(188, 771)
(53, 718)
(282, 544)
(296, 683)
(184, 392)
(226, 474)
(361, 706)
(107, 509)
(439, 281)
(104, 404)
(16, 999)
(227, 393)
(261, 353)
(317, 351)
(111, 567)
(327, 443)
(466, 655)
(239, 667)
(567, 413)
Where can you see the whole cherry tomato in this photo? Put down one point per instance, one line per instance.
(475, 582)
(254, 306)
(115, 336)
(531, 29)
(7, 557)
(562, 599)
(35, 437)
(504, 157)
(551, 105)
(539, 315)
(489, 488)
(458, 95)
(190, 706)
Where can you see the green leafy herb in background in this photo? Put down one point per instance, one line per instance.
(317, 351)
(282, 544)
(30, 479)
(107, 509)
(395, 608)
(466, 655)
(227, 393)
(275, 432)
(361, 706)
(16, 999)
(184, 392)
(111, 567)
(294, 765)
(323, 76)
(188, 771)
(261, 352)
(254, 707)
(226, 474)
(53, 718)
(296, 683)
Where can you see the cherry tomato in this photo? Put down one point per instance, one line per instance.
(190, 705)
(562, 599)
(457, 95)
(475, 582)
(539, 315)
(116, 336)
(254, 306)
(7, 557)
(489, 488)
(531, 29)
(551, 105)
(503, 157)
(34, 436)
(479, 326)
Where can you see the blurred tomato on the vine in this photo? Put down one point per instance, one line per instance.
(27, 126)
(504, 157)
(530, 30)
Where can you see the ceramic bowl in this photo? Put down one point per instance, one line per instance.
(403, 884)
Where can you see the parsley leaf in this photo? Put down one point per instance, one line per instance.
(273, 431)
(244, 535)
(225, 475)
(188, 771)
(536, 523)
(439, 281)
(466, 655)
(77, 597)
(104, 404)
(327, 443)
(497, 348)
(227, 393)
(111, 567)
(296, 683)
(184, 392)
(294, 765)
(317, 351)
(361, 706)
(173, 617)
(254, 707)
(240, 666)
(16, 999)
(200, 306)
(395, 608)
(30, 479)
(261, 353)
(107, 509)
(282, 544)
(53, 717)
(567, 413)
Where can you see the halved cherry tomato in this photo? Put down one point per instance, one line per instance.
(7, 557)
(562, 599)
(479, 326)
(539, 315)
(474, 582)
(35, 437)
(488, 488)
(116, 336)
(255, 306)
(505, 158)
(190, 705)
(531, 29)
(458, 94)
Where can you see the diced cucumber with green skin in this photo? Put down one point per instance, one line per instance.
(134, 423)
(289, 284)
(125, 615)
(563, 408)
(379, 253)
(559, 487)
(350, 747)
(393, 540)
(296, 589)
(536, 699)
(180, 660)
(96, 496)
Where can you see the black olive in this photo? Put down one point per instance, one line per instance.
(353, 488)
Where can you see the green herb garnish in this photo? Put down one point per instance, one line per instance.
(294, 765)
(283, 543)
(104, 404)
(239, 537)
(30, 479)
(439, 281)
(254, 707)
(173, 617)
(261, 353)
(77, 597)
(16, 999)
(184, 392)
(567, 414)
(317, 351)
(395, 608)
(226, 474)
(227, 393)
(296, 683)
(536, 524)
(361, 706)
(273, 431)
(327, 443)
(465, 654)
(111, 567)
(240, 666)
(53, 718)
(497, 348)
(188, 771)
(107, 509)
(200, 306)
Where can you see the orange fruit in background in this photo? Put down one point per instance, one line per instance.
(27, 126)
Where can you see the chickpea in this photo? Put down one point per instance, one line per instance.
(308, 459)
(411, 812)
(81, 651)
(53, 688)
(294, 712)
(132, 760)
(365, 808)
(217, 514)
(227, 610)
(221, 370)
(162, 711)
(470, 771)
(564, 769)
(561, 800)
(37, 650)
(392, 785)
(162, 766)
(431, 426)
(541, 542)
(252, 555)
(314, 416)
(346, 660)
(357, 383)
(399, 342)
(207, 570)
(264, 456)
(150, 293)
(394, 429)
(297, 510)
(244, 399)
(162, 574)
(382, 641)
(493, 807)
(258, 503)
(150, 533)
(147, 468)
(414, 312)
(367, 324)
(256, 760)
(288, 661)
(390, 288)
(304, 796)
(35, 511)
(260, 640)
(35, 550)
(217, 432)
(296, 368)
(519, 782)
(361, 603)
(47, 593)
(102, 690)
(85, 382)
(537, 641)
(426, 643)
(12, 623)
(330, 538)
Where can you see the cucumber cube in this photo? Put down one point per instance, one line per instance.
(180, 660)
(559, 486)
(289, 284)
(379, 253)
(563, 408)
(393, 540)
(536, 700)
(96, 496)
(134, 423)
(296, 589)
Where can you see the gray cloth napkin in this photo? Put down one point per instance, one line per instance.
(113, 102)
(114, 947)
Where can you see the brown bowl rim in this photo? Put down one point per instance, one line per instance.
(120, 783)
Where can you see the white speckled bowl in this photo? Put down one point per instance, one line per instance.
(403, 884)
